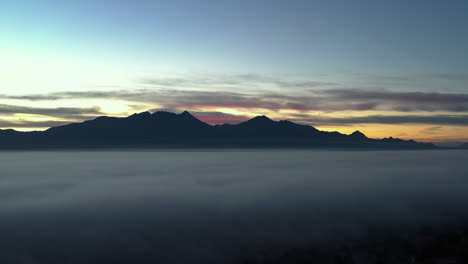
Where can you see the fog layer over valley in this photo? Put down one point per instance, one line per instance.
(217, 206)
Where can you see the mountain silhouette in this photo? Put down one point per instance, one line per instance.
(169, 130)
(358, 135)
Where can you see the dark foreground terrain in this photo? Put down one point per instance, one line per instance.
(427, 246)
(230, 207)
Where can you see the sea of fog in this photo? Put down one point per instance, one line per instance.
(216, 206)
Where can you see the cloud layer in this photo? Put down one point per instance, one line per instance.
(62, 112)
(307, 104)
(460, 120)
(326, 100)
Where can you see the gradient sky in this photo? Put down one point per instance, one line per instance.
(388, 68)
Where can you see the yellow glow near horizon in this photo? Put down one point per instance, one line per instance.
(420, 132)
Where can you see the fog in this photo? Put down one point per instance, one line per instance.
(217, 206)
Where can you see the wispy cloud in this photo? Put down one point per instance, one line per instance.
(403, 101)
(327, 100)
(240, 80)
(461, 120)
(61, 112)
(30, 124)
(462, 77)
(449, 76)
(432, 130)
(206, 104)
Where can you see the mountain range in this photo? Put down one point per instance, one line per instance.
(169, 130)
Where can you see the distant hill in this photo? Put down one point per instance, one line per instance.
(168, 130)
(464, 145)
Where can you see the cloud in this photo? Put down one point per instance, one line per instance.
(301, 84)
(432, 130)
(321, 100)
(188, 82)
(30, 124)
(61, 112)
(178, 99)
(385, 78)
(402, 101)
(461, 120)
(449, 76)
(240, 80)
(414, 77)
(62, 96)
(325, 100)
(412, 97)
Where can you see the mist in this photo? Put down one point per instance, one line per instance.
(217, 206)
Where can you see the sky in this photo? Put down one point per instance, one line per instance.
(386, 68)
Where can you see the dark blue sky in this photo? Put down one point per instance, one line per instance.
(298, 37)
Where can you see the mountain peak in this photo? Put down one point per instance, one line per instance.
(358, 134)
(261, 118)
(186, 113)
(141, 115)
